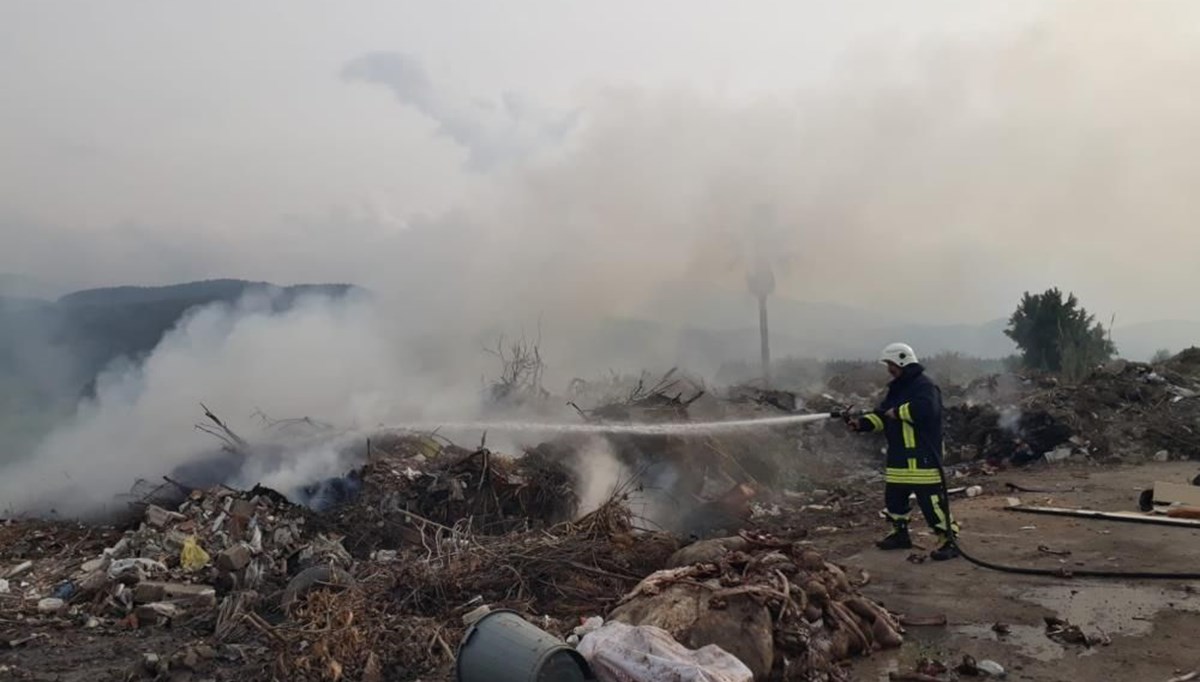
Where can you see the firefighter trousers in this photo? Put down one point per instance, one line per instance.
(929, 498)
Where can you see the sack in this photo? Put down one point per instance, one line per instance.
(624, 653)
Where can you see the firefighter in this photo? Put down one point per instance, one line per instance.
(910, 417)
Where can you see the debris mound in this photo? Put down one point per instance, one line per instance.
(778, 606)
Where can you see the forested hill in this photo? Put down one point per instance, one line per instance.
(84, 331)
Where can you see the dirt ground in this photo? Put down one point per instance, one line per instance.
(1153, 625)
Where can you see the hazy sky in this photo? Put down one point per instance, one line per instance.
(935, 158)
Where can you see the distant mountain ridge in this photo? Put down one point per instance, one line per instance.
(206, 290)
(89, 329)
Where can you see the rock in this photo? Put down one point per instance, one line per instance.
(156, 613)
(1162, 456)
(50, 605)
(242, 509)
(386, 556)
(706, 551)
(150, 662)
(94, 565)
(92, 623)
(3, 586)
(312, 578)
(158, 517)
(147, 592)
(742, 628)
(992, 668)
(235, 558)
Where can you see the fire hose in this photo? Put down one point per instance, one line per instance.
(953, 539)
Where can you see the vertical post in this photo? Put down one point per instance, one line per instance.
(766, 343)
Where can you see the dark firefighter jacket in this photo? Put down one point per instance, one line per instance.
(914, 437)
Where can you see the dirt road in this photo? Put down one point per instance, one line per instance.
(1153, 625)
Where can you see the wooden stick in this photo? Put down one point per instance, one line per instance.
(1106, 516)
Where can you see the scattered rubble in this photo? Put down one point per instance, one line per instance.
(379, 573)
(1064, 632)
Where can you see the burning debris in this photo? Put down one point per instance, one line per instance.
(377, 573)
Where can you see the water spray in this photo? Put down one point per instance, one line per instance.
(708, 427)
(668, 429)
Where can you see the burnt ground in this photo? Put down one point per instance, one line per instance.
(1153, 625)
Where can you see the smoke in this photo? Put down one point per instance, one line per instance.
(344, 362)
(600, 474)
(932, 182)
(495, 134)
(1010, 420)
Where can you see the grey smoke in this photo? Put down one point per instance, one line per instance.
(496, 134)
(920, 182)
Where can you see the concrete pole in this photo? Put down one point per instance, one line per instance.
(766, 343)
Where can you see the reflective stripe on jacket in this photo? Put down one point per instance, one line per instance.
(914, 437)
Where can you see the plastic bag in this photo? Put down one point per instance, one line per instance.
(624, 653)
(192, 557)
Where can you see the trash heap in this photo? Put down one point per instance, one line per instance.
(776, 605)
(1124, 411)
(184, 564)
(414, 484)
(1131, 409)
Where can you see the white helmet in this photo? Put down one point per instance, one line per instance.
(899, 354)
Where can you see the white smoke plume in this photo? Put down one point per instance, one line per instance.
(931, 182)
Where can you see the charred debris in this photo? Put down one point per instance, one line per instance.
(377, 574)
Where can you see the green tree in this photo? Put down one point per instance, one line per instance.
(1058, 335)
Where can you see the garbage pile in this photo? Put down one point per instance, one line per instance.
(180, 564)
(383, 582)
(776, 605)
(1132, 409)
(414, 483)
(1124, 411)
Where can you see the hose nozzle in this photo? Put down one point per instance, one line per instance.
(847, 413)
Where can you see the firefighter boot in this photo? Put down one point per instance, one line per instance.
(898, 539)
(946, 551)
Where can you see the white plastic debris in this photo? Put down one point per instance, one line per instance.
(138, 566)
(991, 668)
(974, 491)
(758, 511)
(589, 626)
(386, 556)
(118, 550)
(1162, 456)
(3, 586)
(1058, 454)
(256, 536)
(624, 653)
(50, 605)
